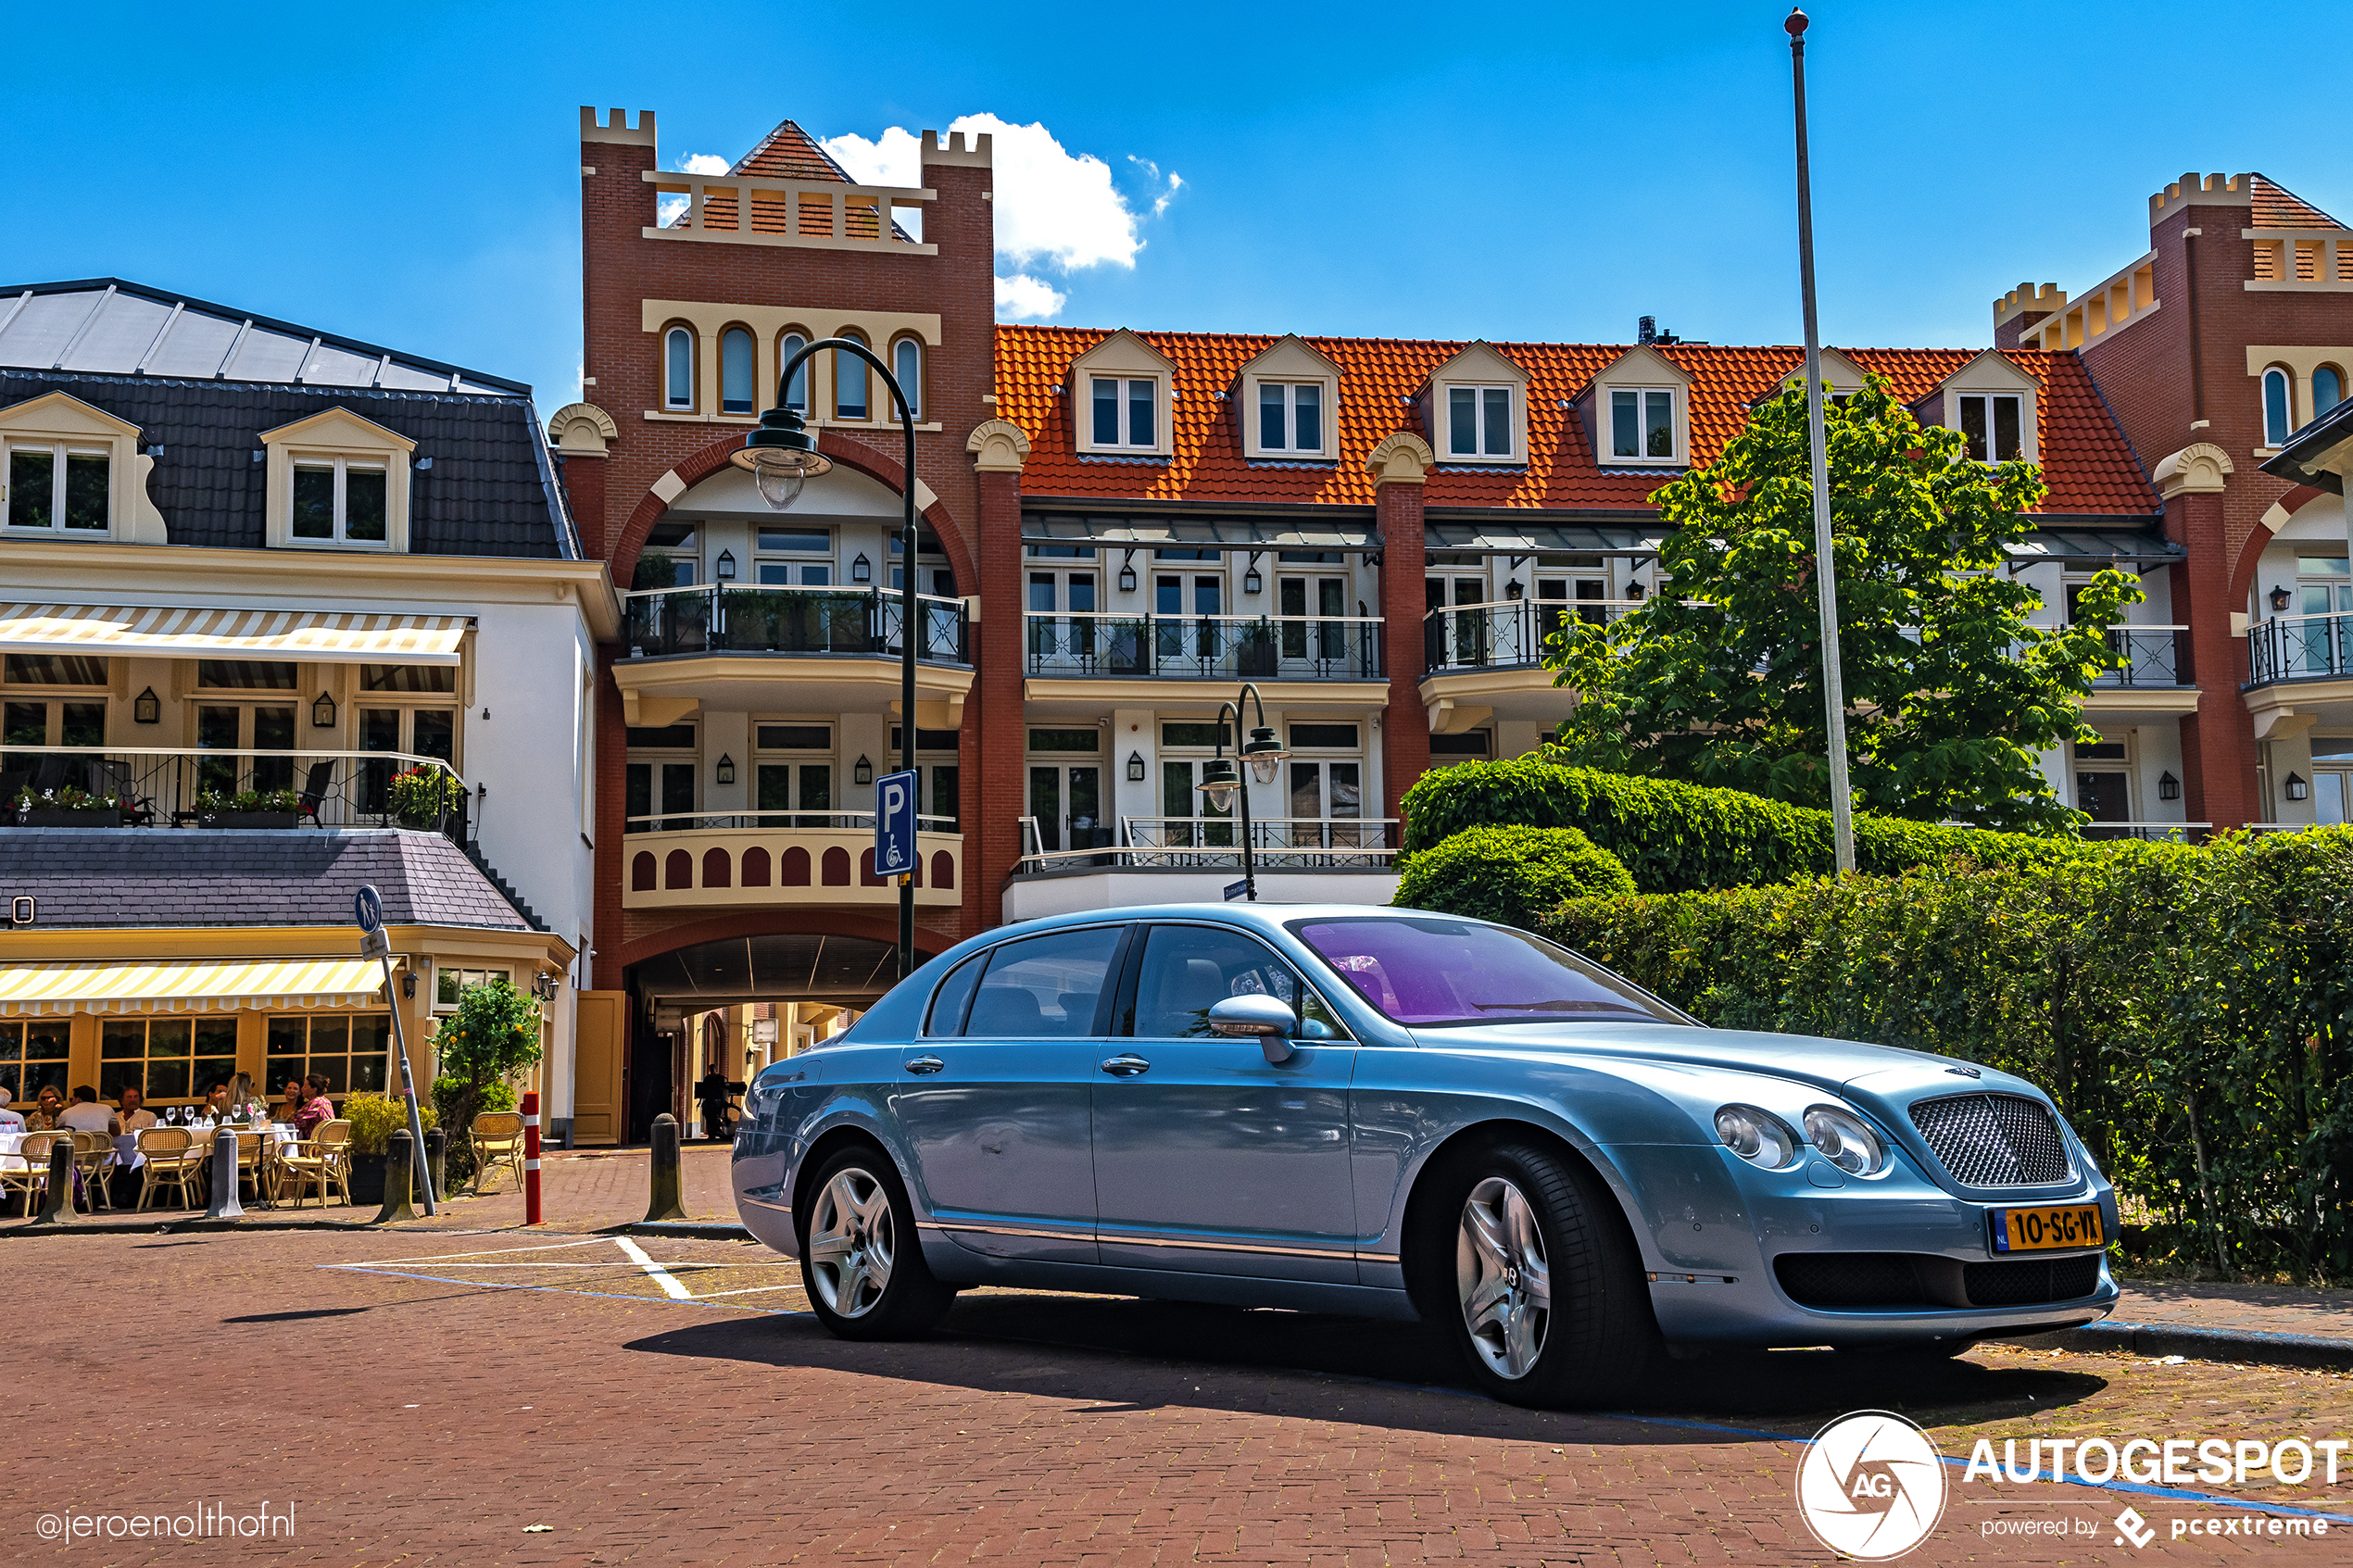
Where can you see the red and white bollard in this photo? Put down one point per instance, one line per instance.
(530, 1158)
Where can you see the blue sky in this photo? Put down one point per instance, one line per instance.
(1499, 171)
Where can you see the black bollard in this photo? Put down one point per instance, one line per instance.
(224, 1204)
(57, 1198)
(666, 1202)
(400, 1175)
(437, 1159)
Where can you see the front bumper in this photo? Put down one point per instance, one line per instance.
(1712, 1229)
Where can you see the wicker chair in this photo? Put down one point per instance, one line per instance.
(170, 1156)
(496, 1138)
(323, 1160)
(92, 1152)
(28, 1170)
(253, 1162)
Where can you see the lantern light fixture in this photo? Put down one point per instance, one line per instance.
(781, 455)
(726, 773)
(864, 773)
(1251, 581)
(1128, 573)
(862, 570)
(2168, 787)
(146, 707)
(323, 712)
(1135, 767)
(2297, 788)
(726, 566)
(2281, 599)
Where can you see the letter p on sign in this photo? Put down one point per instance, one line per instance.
(895, 797)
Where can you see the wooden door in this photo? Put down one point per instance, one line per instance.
(596, 1033)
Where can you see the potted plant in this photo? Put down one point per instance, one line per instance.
(67, 808)
(374, 1118)
(422, 797)
(248, 809)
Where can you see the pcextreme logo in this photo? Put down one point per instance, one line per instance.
(1871, 1486)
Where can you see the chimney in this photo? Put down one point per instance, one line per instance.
(1646, 330)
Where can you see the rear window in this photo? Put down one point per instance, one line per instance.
(1044, 988)
(1429, 972)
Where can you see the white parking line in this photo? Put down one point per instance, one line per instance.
(661, 1275)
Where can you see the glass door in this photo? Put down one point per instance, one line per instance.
(1066, 799)
(1188, 608)
(1324, 641)
(1330, 796)
(259, 732)
(2322, 642)
(1062, 632)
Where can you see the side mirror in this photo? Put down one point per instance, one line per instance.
(1270, 1021)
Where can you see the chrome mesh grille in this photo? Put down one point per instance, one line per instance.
(1993, 1140)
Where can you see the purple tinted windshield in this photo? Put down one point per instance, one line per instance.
(1429, 971)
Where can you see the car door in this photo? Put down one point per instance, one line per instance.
(994, 1098)
(1209, 1159)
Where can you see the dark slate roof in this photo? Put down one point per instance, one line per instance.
(152, 878)
(490, 491)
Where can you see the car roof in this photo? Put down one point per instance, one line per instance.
(1265, 917)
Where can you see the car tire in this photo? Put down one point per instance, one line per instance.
(859, 1258)
(1523, 1262)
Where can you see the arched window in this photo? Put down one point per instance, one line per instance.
(2276, 422)
(851, 401)
(2328, 389)
(734, 372)
(678, 369)
(907, 364)
(797, 390)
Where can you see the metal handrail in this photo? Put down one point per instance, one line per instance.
(1148, 615)
(1199, 646)
(787, 588)
(836, 822)
(166, 786)
(1280, 854)
(1540, 604)
(2291, 647)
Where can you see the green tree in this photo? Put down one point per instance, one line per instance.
(493, 1035)
(1717, 678)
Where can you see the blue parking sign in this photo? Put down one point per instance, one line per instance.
(895, 824)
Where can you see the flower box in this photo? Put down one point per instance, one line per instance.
(70, 817)
(250, 820)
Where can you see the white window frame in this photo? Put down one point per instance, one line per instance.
(343, 466)
(750, 403)
(2272, 437)
(1126, 407)
(1641, 394)
(911, 385)
(1287, 399)
(1960, 422)
(677, 398)
(1478, 391)
(482, 977)
(60, 452)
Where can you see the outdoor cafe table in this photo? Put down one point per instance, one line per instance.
(282, 1135)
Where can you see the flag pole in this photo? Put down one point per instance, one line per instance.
(1826, 573)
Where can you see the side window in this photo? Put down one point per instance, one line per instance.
(1190, 969)
(1045, 987)
(955, 995)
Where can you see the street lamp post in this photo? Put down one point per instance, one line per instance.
(781, 455)
(1221, 783)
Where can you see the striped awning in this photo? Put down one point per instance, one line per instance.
(188, 985)
(318, 636)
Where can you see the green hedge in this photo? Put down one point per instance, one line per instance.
(1510, 874)
(1674, 837)
(2190, 1009)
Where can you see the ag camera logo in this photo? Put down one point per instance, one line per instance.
(1871, 1486)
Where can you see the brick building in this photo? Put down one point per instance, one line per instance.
(1123, 526)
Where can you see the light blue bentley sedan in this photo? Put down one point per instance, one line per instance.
(1409, 1115)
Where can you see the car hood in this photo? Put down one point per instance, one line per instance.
(1834, 1066)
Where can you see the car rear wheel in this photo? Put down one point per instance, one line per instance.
(859, 1255)
(1523, 1263)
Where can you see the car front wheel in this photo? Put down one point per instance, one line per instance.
(859, 1256)
(1524, 1265)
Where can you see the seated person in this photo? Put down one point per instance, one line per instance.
(315, 1109)
(48, 1106)
(10, 1121)
(290, 1106)
(86, 1115)
(135, 1116)
(214, 1107)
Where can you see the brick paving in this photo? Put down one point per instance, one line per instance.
(428, 1395)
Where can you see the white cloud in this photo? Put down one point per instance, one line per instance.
(702, 163)
(1022, 295)
(1053, 207)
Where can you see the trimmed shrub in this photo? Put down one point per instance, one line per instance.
(374, 1118)
(1675, 837)
(1512, 874)
(2190, 1009)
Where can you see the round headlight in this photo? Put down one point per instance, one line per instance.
(1757, 1137)
(1840, 1138)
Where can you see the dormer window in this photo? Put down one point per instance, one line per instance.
(1285, 402)
(338, 480)
(1994, 424)
(1123, 412)
(1478, 421)
(54, 486)
(1641, 422)
(340, 499)
(1290, 416)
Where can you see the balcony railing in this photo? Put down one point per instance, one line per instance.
(2183, 833)
(2147, 656)
(771, 619)
(1508, 631)
(1279, 844)
(700, 859)
(713, 822)
(186, 787)
(1204, 648)
(2300, 648)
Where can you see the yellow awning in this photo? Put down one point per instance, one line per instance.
(180, 631)
(188, 985)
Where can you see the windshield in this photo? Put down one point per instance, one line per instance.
(1429, 972)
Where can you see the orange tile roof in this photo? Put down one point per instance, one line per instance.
(2088, 465)
(2276, 207)
(787, 152)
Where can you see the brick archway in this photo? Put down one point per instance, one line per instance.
(2251, 552)
(781, 923)
(843, 449)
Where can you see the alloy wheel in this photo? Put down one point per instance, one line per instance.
(1501, 1280)
(852, 1241)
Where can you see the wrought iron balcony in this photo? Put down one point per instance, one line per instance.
(723, 618)
(2147, 656)
(1204, 648)
(199, 787)
(1507, 632)
(1278, 844)
(2300, 648)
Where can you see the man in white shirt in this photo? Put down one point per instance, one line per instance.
(86, 1115)
(134, 1117)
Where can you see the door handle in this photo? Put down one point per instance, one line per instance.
(926, 1064)
(1126, 1065)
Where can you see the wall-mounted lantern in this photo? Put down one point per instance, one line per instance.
(726, 770)
(2168, 787)
(726, 566)
(2297, 788)
(1135, 767)
(864, 773)
(862, 570)
(2281, 599)
(146, 707)
(1128, 573)
(323, 712)
(1251, 581)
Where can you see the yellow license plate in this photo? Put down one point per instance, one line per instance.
(2075, 1225)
